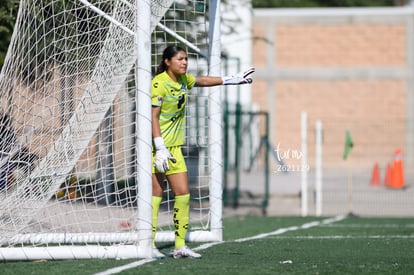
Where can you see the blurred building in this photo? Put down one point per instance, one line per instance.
(351, 68)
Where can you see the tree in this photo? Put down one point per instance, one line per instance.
(8, 14)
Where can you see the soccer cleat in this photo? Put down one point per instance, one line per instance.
(185, 252)
(156, 254)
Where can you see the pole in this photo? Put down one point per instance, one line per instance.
(350, 213)
(216, 123)
(143, 126)
(318, 169)
(304, 160)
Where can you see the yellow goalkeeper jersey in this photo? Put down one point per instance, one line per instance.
(171, 96)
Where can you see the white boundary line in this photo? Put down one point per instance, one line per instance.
(356, 225)
(207, 245)
(338, 237)
(294, 228)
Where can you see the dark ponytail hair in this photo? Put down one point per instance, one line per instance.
(168, 53)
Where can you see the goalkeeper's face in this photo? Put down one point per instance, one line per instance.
(177, 65)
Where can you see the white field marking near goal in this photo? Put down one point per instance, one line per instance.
(208, 245)
(294, 228)
(355, 225)
(335, 237)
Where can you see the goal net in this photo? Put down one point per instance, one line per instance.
(71, 147)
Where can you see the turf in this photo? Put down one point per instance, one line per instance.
(350, 246)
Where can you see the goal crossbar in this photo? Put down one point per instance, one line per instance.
(61, 207)
(106, 16)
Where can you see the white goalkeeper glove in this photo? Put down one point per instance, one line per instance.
(240, 78)
(162, 155)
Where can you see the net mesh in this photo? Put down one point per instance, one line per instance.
(68, 135)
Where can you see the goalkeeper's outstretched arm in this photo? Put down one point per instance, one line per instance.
(238, 79)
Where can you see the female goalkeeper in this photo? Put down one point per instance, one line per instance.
(169, 97)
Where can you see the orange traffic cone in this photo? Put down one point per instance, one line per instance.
(397, 176)
(388, 173)
(375, 178)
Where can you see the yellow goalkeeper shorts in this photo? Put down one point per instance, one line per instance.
(178, 167)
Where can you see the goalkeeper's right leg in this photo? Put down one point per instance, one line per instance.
(156, 202)
(185, 252)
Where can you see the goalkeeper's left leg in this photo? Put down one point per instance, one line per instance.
(181, 218)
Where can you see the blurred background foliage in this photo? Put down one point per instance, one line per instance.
(324, 3)
(9, 9)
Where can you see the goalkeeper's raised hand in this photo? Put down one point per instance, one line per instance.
(162, 155)
(240, 78)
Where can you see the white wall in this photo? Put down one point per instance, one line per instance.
(237, 44)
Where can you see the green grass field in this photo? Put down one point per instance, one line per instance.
(270, 245)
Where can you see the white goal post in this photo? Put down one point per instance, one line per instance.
(75, 114)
